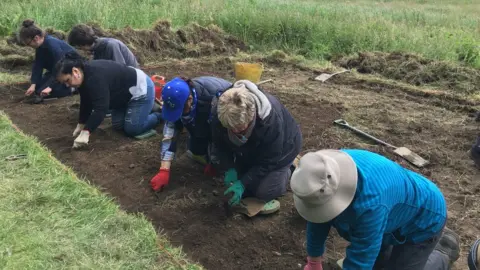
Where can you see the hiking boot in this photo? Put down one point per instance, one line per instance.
(474, 256)
(449, 245)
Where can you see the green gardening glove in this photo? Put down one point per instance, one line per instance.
(231, 177)
(237, 189)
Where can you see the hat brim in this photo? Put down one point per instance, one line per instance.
(343, 197)
(171, 115)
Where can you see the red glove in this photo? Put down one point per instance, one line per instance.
(313, 265)
(210, 170)
(160, 180)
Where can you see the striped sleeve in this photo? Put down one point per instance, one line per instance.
(366, 239)
(168, 141)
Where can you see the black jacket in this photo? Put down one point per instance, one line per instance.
(273, 144)
(105, 86)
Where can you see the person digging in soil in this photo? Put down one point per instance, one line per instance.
(48, 51)
(187, 103)
(84, 38)
(104, 85)
(393, 218)
(257, 140)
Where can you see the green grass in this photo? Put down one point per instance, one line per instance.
(8, 78)
(49, 219)
(437, 29)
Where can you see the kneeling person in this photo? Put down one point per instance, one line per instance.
(83, 37)
(104, 85)
(393, 218)
(187, 103)
(257, 139)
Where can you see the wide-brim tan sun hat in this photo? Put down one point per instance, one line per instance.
(324, 185)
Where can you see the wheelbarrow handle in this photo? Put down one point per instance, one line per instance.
(344, 123)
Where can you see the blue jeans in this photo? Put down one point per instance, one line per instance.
(137, 118)
(411, 256)
(274, 185)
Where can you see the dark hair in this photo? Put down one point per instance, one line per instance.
(29, 31)
(188, 81)
(68, 62)
(81, 35)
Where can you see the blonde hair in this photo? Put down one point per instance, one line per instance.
(236, 107)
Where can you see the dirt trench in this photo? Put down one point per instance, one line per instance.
(190, 211)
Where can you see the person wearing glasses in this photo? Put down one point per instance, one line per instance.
(48, 51)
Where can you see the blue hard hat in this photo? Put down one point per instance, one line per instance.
(175, 94)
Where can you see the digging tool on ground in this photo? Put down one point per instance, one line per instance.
(325, 76)
(400, 151)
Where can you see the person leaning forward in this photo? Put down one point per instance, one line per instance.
(393, 218)
(187, 103)
(257, 140)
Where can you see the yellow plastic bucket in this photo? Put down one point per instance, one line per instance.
(248, 71)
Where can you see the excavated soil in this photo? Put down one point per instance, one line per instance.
(416, 70)
(148, 45)
(190, 211)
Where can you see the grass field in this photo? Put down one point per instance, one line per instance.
(51, 220)
(437, 29)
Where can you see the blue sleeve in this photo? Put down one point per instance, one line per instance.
(316, 237)
(56, 50)
(366, 239)
(37, 69)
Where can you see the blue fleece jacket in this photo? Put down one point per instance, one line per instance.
(392, 205)
(47, 55)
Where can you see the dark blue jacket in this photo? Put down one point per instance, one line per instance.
(273, 144)
(47, 55)
(199, 129)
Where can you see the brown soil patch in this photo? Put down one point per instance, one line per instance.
(192, 215)
(415, 70)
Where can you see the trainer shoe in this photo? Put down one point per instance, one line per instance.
(197, 158)
(474, 256)
(449, 245)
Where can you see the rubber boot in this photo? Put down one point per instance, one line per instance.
(449, 245)
(474, 256)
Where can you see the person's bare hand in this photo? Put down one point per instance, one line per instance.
(30, 90)
(45, 92)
